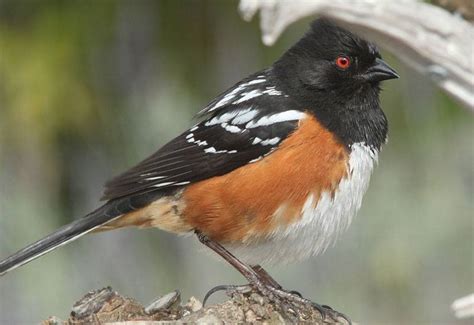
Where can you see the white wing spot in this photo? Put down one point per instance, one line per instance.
(210, 150)
(182, 183)
(154, 178)
(231, 128)
(292, 115)
(255, 160)
(247, 96)
(214, 151)
(201, 143)
(163, 184)
(266, 142)
(245, 116)
(237, 117)
(256, 81)
(190, 139)
(271, 141)
(256, 140)
(272, 91)
(230, 96)
(222, 118)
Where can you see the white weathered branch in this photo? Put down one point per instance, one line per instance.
(429, 39)
(464, 307)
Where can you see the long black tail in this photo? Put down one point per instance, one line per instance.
(60, 237)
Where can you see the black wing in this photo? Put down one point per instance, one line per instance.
(243, 125)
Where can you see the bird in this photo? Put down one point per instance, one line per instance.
(274, 170)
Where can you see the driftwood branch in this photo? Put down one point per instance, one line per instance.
(106, 306)
(428, 38)
(464, 307)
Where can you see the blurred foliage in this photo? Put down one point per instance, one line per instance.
(88, 88)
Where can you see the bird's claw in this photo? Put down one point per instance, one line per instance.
(228, 288)
(294, 292)
(291, 300)
(327, 311)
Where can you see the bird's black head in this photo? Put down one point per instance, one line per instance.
(336, 74)
(330, 58)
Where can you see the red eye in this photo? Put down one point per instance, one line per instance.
(343, 62)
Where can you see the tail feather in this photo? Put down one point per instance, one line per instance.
(60, 237)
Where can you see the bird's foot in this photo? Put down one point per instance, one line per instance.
(292, 303)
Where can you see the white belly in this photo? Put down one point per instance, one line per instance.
(321, 223)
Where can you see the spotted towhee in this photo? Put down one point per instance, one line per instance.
(274, 172)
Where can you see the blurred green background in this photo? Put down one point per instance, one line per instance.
(88, 88)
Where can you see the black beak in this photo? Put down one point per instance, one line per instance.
(380, 71)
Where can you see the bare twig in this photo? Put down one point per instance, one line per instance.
(428, 38)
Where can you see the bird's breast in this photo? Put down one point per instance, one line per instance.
(321, 219)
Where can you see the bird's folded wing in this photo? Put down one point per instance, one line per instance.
(245, 125)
